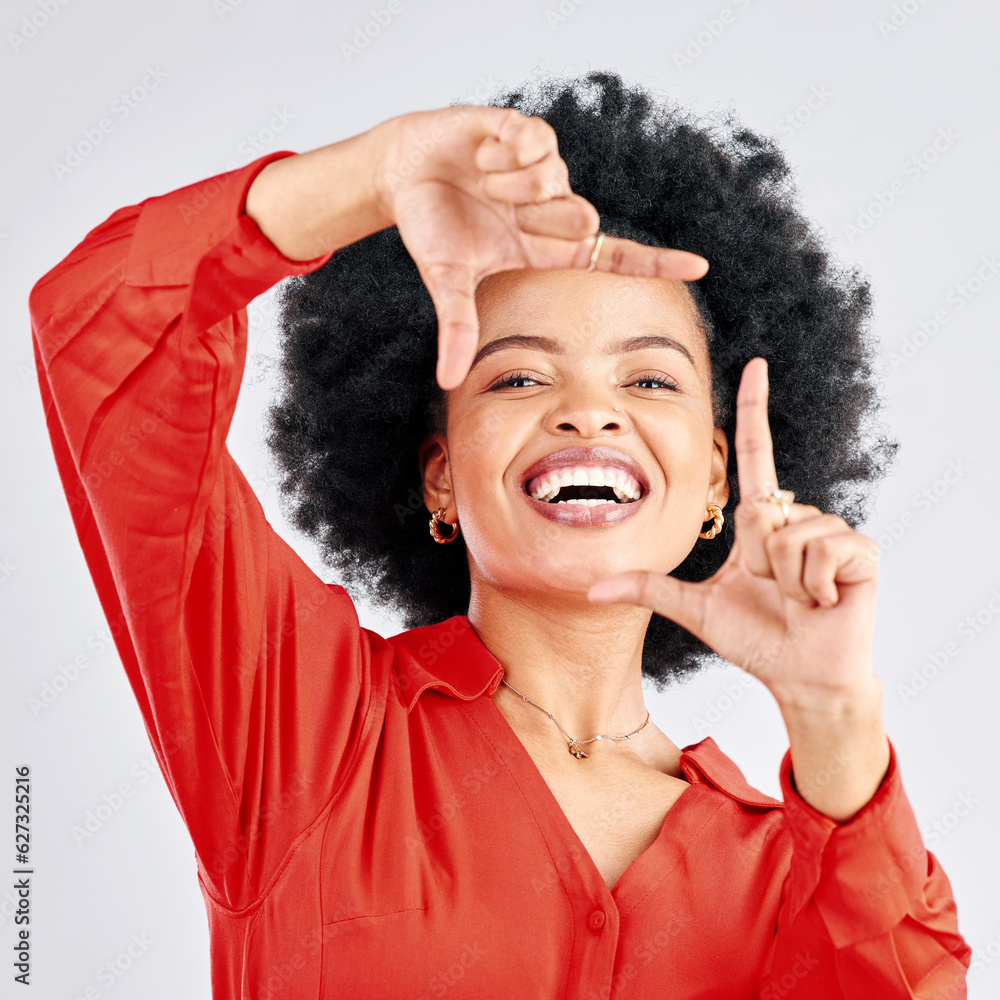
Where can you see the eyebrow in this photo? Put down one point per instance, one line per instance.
(638, 343)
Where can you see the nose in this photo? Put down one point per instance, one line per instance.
(588, 415)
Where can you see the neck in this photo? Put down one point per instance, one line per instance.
(581, 662)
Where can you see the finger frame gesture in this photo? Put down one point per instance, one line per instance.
(794, 602)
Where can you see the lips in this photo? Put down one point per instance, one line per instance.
(581, 515)
(596, 456)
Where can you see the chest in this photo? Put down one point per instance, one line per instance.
(615, 805)
(482, 866)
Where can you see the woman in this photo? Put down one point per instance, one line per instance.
(482, 804)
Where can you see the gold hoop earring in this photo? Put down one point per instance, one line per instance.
(715, 513)
(438, 518)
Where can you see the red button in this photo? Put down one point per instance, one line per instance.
(596, 920)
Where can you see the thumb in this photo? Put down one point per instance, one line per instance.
(678, 600)
(452, 290)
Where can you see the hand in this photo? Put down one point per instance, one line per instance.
(474, 190)
(793, 604)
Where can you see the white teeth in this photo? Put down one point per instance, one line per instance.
(546, 489)
(622, 486)
(589, 503)
(547, 486)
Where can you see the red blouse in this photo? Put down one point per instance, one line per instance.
(365, 821)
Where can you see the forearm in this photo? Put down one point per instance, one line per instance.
(317, 202)
(864, 900)
(838, 746)
(140, 336)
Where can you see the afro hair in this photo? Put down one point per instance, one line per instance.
(358, 339)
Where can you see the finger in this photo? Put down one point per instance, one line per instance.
(754, 448)
(756, 516)
(538, 182)
(675, 599)
(621, 256)
(520, 140)
(569, 218)
(572, 222)
(757, 523)
(786, 551)
(847, 557)
(452, 290)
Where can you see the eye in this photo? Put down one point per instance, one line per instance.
(509, 380)
(667, 383)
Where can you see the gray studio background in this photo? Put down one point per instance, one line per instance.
(894, 119)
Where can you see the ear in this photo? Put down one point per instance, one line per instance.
(718, 491)
(435, 469)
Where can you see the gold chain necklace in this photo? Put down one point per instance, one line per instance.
(574, 745)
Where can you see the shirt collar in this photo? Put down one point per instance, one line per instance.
(704, 761)
(450, 657)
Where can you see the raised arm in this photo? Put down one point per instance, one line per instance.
(251, 674)
(866, 910)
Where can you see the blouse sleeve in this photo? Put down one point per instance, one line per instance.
(251, 674)
(866, 910)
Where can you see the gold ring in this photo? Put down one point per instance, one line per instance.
(783, 498)
(596, 250)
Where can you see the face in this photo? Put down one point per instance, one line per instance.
(580, 344)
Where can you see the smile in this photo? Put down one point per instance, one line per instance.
(585, 486)
(586, 505)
